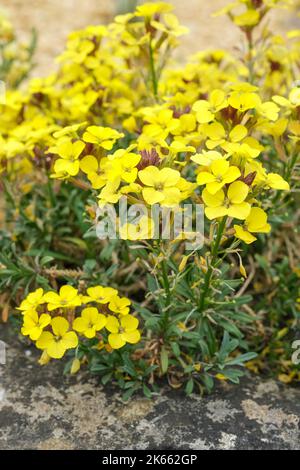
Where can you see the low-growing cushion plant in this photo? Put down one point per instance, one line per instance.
(120, 121)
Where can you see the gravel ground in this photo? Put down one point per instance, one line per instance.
(54, 19)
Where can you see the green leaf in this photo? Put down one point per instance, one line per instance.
(230, 327)
(175, 349)
(106, 378)
(239, 360)
(233, 375)
(147, 392)
(45, 260)
(164, 360)
(189, 386)
(128, 394)
(208, 381)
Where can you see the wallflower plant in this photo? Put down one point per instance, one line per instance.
(118, 121)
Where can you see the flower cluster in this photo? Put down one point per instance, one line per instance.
(57, 322)
(202, 132)
(214, 144)
(118, 120)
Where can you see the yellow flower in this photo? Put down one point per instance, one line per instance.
(67, 298)
(124, 168)
(123, 331)
(161, 185)
(233, 204)
(32, 301)
(69, 152)
(57, 343)
(215, 133)
(293, 100)
(276, 129)
(275, 181)
(255, 222)
(171, 27)
(250, 18)
(100, 294)
(95, 170)
(161, 124)
(221, 173)
(110, 192)
(243, 100)
(205, 110)
(178, 146)
(89, 322)
(119, 305)
(70, 131)
(33, 325)
(151, 9)
(268, 110)
(104, 137)
(206, 158)
(141, 230)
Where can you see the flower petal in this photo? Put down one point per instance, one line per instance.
(131, 337)
(44, 340)
(239, 211)
(116, 341)
(215, 200)
(70, 340)
(60, 326)
(237, 192)
(129, 322)
(112, 324)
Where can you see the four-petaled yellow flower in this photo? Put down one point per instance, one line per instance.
(124, 167)
(33, 325)
(100, 294)
(221, 173)
(57, 343)
(123, 331)
(206, 110)
(256, 222)
(89, 322)
(160, 185)
(68, 163)
(119, 305)
(243, 100)
(32, 301)
(143, 229)
(275, 181)
(104, 137)
(231, 204)
(67, 298)
(95, 170)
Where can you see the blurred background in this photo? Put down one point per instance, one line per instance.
(54, 19)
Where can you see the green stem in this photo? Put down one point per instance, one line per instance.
(166, 282)
(291, 166)
(211, 267)
(153, 71)
(51, 193)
